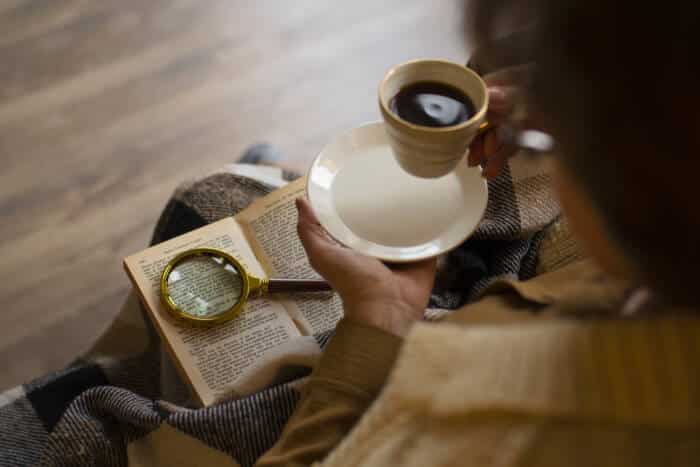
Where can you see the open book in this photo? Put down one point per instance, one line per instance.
(264, 238)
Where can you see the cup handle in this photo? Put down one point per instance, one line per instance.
(483, 128)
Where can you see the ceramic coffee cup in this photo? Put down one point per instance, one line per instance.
(424, 151)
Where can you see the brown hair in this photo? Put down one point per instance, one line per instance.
(619, 83)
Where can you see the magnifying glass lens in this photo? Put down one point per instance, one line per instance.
(205, 286)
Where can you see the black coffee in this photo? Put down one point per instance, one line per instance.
(432, 104)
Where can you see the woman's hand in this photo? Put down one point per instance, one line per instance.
(373, 294)
(505, 99)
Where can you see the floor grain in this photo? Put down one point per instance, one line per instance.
(106, 106)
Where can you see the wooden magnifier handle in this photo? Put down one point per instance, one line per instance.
(483, 128)
(297, 285)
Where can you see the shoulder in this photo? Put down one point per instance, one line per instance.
(580, 288)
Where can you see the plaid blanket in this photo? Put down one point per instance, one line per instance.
(97, 411)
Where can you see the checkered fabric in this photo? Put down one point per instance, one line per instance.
(101, 409)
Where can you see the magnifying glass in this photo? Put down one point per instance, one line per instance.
(208, 286)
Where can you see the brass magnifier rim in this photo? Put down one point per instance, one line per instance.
(179, 314)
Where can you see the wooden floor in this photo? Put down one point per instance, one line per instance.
(106, 106)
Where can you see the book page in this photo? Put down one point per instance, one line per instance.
(270, 224)
(211, 358)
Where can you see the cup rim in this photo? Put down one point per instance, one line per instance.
(445, 129)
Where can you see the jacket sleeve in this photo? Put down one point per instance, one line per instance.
(349, 376)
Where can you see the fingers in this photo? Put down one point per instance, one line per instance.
(482, 149)
(502, 100)
(495, 165)
(312, 236)
(488, 151)
(309, 228)
(509, 104)
(476, 152)
(520, 75)
(305, 212)
(501, 105)
(491, 144)
(498, 159)
(323, 251)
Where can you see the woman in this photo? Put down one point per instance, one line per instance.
(611, 384)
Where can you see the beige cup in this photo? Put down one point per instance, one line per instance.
(431, 152)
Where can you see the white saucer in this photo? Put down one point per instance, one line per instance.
(368, 203)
